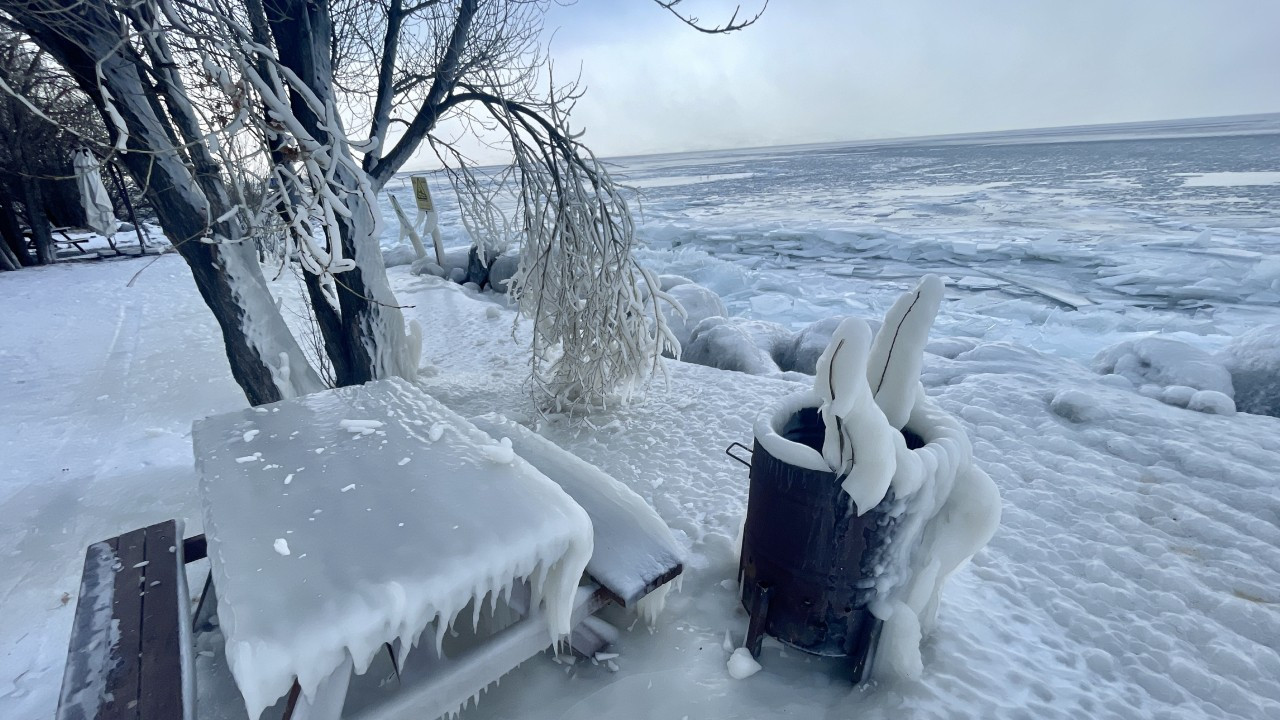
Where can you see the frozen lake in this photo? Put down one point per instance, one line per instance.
(1163, 227)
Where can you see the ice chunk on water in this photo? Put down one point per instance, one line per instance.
(281, 546)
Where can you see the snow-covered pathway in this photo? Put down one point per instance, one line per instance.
(101, 384)
(1135, 574)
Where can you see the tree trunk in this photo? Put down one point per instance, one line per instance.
(265, 358)
(8, 261)
(33, 199)
(14, 241)
(373, 341)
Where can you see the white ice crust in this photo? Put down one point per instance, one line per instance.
(893, 367)
(410, 546)
(859, 442)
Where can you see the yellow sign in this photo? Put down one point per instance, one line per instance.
(421, 193)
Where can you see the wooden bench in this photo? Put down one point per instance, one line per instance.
(66, 242)
(129, 655)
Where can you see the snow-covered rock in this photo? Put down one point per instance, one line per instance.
(503, 269)
(1253, 359)
(427, 266)
(719, 343)
(699, 303)
(808, 346)
(1213, 402)
(666, 282)
(1179, 395)
(399, 255)
(1164, 361)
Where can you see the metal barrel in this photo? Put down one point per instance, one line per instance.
(815, 558)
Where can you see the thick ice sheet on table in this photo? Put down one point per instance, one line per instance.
(352, 517)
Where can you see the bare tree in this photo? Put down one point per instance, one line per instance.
(213, 103)
(40, 122)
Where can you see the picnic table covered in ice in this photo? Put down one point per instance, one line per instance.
(355, 517)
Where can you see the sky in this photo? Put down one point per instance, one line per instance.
(832, 70)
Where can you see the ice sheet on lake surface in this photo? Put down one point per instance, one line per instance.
(360, 549)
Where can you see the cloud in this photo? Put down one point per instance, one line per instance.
(813, 71)
(824, 71)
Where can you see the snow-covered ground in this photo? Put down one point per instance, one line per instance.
(1136, 572)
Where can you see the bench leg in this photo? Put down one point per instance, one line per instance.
(207, 607)
(453, 682)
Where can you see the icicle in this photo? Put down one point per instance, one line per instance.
(649, 607)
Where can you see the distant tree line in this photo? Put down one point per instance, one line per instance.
(44, 116)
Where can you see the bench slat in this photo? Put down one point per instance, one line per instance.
(122, 681)
(91, 653)
(634, 551)
(160, 689)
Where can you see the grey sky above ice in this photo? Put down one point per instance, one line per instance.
(830, 70)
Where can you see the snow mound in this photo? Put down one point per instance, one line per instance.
(725, 344)
(1213, 402)
(1075, 405)
(1170, 371)
(698, 302)
(399, 255)
(741, 665)
(1253, 359)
